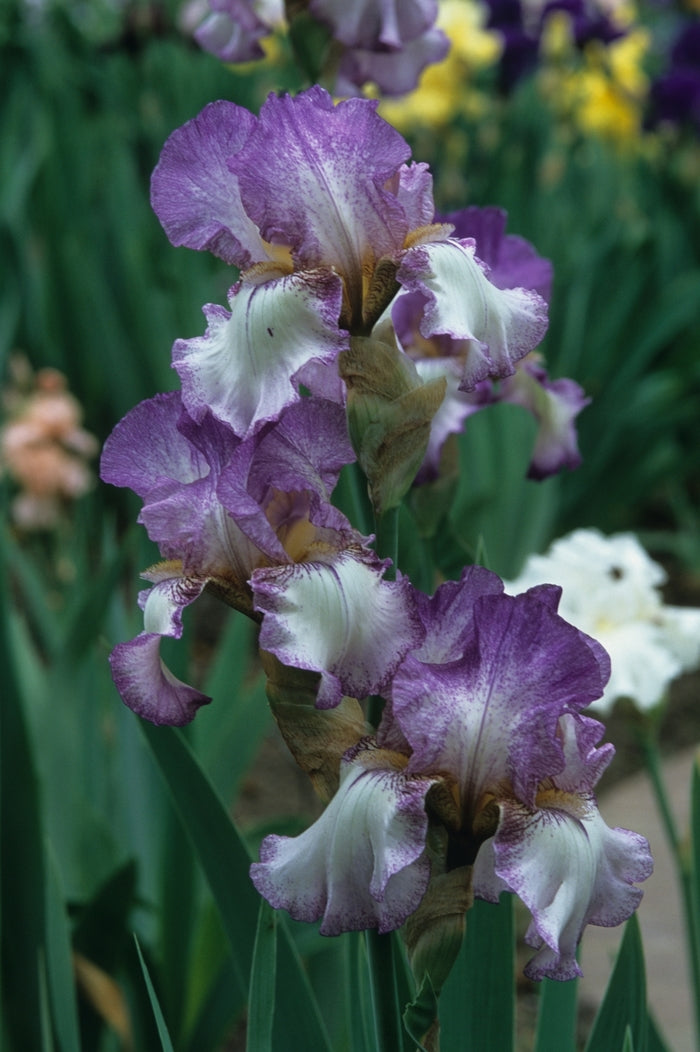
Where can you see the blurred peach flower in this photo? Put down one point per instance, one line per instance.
(43, 448)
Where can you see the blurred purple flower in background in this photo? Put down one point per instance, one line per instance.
(387, 43)
(522, 23)
(675, 94)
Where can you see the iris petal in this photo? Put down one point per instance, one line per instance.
(243, 369)
(143, 681)
(570, 869)
(340, 618)
(491, 328)
(362, 864)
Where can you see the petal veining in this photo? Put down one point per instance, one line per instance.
(338, 617)
(362, 864)
(243, 369)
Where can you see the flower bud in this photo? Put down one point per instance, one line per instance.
(434, 933)
(316, 738)
(389, 414)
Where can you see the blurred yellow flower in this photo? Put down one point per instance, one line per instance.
(605, 95)
(446, 88)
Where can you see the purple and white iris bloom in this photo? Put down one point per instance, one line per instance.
(387, 43)
(489, 708)
(510, 262)
(316, 205)
(233, 29)
(252, 521)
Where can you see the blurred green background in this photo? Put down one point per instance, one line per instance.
(90, 285)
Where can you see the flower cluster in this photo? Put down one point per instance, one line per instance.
(363, 326)
(480, 776)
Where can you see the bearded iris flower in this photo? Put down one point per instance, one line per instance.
(251, 521)
(482, 751)
(330, 227)
(510, 262)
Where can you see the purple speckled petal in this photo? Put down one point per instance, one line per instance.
(191, 523)
(413, 186)
(448, 615)
(493, 715)
(584, 762)
(494, 328)
(243, 369)
(146, 451)
(305, 450)
(394, 72)
(311, 176)
(338, 617)
(555, 404)
(378, 26)
(569, 868)
(176, 465)
(362, 864)
(193, 192)
(143, 681)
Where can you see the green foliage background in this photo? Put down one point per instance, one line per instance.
(110, 828)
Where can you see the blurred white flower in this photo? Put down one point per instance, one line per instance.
(611, 590)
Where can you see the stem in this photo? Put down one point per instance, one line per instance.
(380, 954)
(356, 488)
(387, 543)
(387, 546)
(388, 1028)
(652, 758)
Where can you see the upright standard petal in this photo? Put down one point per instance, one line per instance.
(491, 329)
(492, 715)
(336, 615)
(304, 450)
(362, 864)
(194, 193)
(386, 25)
(312, 177)
(146, 450)
(244, 369)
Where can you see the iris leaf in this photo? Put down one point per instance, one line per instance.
(624, 1004)
(225, 861)
(165, 1042)
(263, 981)
(477, 1002)
(556, 1018)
